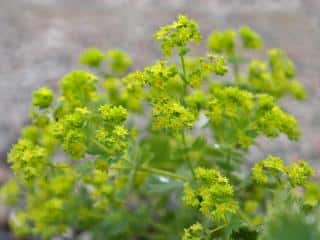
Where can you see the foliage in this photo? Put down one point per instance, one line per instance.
(159, 153)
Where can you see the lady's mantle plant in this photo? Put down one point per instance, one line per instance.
(166, 144)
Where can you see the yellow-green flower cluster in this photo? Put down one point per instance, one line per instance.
(247, 116)
(228, 102)
(226, 41)
(40, 135)
(299, 173)
(171, 115)
(9, 192)
(74, 144)
(128, 91)
(178, 35)
(163, 86)
(118, 61)
(199, 69)
(92, 57)
(159, 75)
(276, 77)
(280, 64)
(163, 83)
(113, 114)
(42, 97)
(54, 195)
(250, 39)
(274, 121)
(134, 91)
(113, 135)
(196, 100)
(98, 188)
(283, 72)
(134, 83)
(39, 132)
(45, 214)
(70, 131)
(220, 66)
(212, 194)
(222, 42)
(28, 160)
(229, 110)
(114, 139)
(194, 232)
(31, 133)
(78, 88)
(273, 170)
(39, 118)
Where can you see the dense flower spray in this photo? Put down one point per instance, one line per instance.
(166, 144)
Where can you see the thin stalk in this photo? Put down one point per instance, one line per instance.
(184, 142)
(155, 171)
(184, 77)
(144, 169)
(218, 228)
(134, 172)
(184, 74)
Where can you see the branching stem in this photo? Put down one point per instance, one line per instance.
(185, 81)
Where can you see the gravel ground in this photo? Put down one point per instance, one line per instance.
(40, 41)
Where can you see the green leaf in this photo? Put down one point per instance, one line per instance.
(160, 184)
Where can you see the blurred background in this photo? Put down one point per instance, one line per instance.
(41, 40)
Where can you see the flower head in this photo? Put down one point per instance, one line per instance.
(178, 35)
(92, 57)
(42, 97)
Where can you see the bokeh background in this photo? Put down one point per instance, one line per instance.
(40, 41)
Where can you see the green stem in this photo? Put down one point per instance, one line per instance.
(187, 159)
(184, 74)
(155, 171)
(164, 173)
(184, 77)
(143, 169)
(218, 228)
(133, 173)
